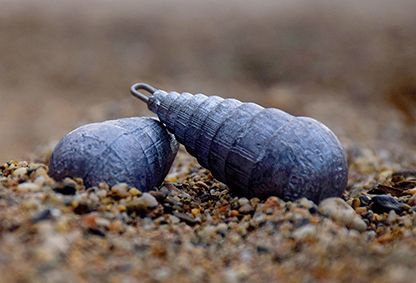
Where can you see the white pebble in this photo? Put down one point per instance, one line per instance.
(28, 187)
(148, 200)
(392, 217)
(102, 222)
(306, 203)
(121, 189)
(243, 201)
(222, 227)
(20, 172)
(40, 180)
(174, 219)
(339, 211)
(304, 232)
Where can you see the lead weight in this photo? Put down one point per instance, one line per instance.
(256, 151)
(136, 151)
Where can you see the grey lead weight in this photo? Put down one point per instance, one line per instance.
(136, 151)
(256, 151)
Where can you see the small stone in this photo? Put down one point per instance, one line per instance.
(20, 172)
(304, 232)
(120, 190)
(148, 200)
(234, 213)
(101, 193)
(272, 202)
(237, 274)
(28, 187)
(159, 195)
(70, 182)
(385, 203)
(254, 202)
(342, 213)
(222, 228)
(195, 212)
(104, 186)
(411, 191)
(68, 189)
(82, 207)
(90, 220)
(243, 201)
(392, 217)
(96, 232)
(356, 203)
(135, 192)
(31, 204)
(246, 208)
(40, 181)
(142, 203)
(115, 226)
(174, 219)
(171, 179)
(412, 201)
(103, 222)
(185, 218)
(306, 203)
(361, 210)
(42, 215)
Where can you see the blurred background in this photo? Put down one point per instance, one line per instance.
(350, 64)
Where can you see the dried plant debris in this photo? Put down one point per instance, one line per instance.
(192, 230)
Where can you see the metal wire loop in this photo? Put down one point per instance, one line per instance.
(134, 90)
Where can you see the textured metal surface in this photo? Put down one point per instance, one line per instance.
(136, 151)
(256, 151)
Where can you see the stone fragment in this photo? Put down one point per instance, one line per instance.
(339, 211)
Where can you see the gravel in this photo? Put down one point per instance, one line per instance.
(191, 229)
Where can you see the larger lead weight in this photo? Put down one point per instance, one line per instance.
(256, 151)
(136, 151)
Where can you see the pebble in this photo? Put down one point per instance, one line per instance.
(135, 192)
(385, 203)
(120, 190)
(195, 212)
(307, 203)
(142, 203)
(20, 172)
(174, 219)
(68, 189)
(28, 187)
(243, 201)
(305, 231)
(222, 227)
(40, 180)
(412, 201)
(246, 208)
(185, 218)
(411, 191)
(42, 215)
(343, 214)
(392, 217)
(148, 200)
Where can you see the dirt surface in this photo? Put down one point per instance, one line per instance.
(349, 64)
(192, 230)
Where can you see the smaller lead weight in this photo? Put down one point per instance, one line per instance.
(256, 151)
(136, 151)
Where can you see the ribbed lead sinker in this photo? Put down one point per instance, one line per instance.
(256, 151)
(136, 151)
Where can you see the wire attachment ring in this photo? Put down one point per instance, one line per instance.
(134, 90)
